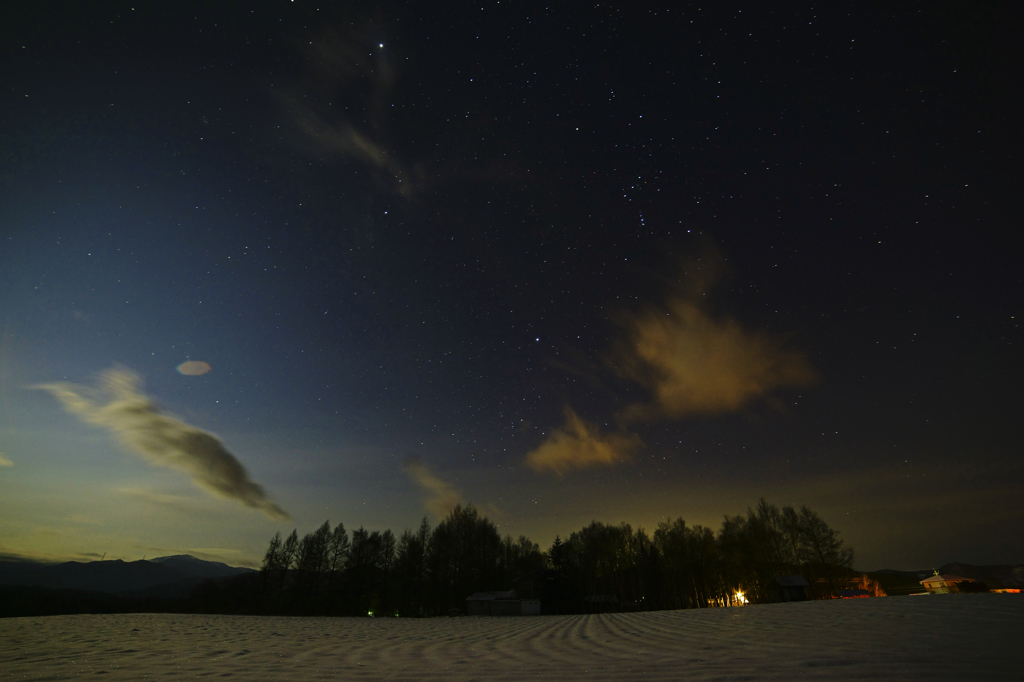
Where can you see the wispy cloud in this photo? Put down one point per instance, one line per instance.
(4, 462)
(579, 444)
(9, 555)
(119, 406)
(227, 555)
(342, 138)
(350, 66)
(441, 495)
(181, 503)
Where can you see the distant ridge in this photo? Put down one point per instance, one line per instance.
(200, 568)
(1003, 575)
(175, 574)
(896, 582)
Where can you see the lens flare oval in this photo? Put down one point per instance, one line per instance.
(194, 368)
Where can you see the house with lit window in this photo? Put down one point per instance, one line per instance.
(944, 583)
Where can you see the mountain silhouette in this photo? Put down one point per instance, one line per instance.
(177, 575)
(199, 568)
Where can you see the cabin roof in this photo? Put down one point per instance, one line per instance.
(492, 596)
(791, 581)
(946, 578)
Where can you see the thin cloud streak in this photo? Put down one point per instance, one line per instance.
(162, 440)
(179, 503)
(344, 139)
(441, 495)
(4, 462)
(579, 444)
(348, 66)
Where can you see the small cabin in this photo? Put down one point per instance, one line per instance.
(600, 603)
(792, 587)
(501, 604)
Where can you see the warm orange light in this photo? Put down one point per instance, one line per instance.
(741, 598)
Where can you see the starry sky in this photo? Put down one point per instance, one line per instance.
(586, 261)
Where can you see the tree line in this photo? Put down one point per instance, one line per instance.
(430, 571)
(685, 566)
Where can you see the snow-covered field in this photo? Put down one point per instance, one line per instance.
(948, 637)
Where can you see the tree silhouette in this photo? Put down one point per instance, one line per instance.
(429, 571)
(411, 571)
(462, 558)
(337, 555)
(274, 566)
(386, 569)
(821, 552)
(311, 560)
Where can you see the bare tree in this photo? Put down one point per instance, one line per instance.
(411, 570)
(289, 551)
(272, 559)
(337, 552)
(272, 562)
(311, 561)
(822, 552)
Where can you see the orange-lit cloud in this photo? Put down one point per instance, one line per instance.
(579, 444)
(162, 440)
(441, 495)
(692, 362)
(194, 368)
(696, 364)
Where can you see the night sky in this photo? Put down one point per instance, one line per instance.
(569, 263)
